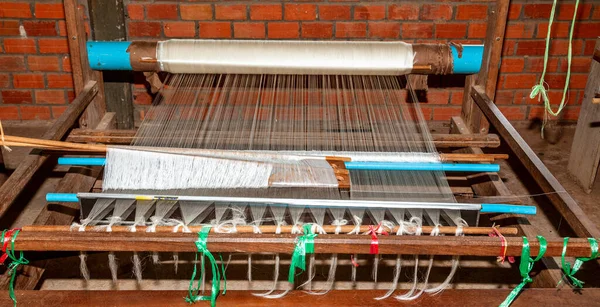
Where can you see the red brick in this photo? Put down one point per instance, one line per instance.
(334, 12)
(561, 47)
(142, 98)
(9, 27)
(369, 12)
(230, 12)
(42, 63)
(403, 12)
(196, 11)
(589, 47)
(450, 30)
(249, 30)
(578, 64)
(512, 65)
(57, 111)
(16, 97)
(351, 29)
(62, 28)
(221, 29)
(471, 12)
(317, 30)
(4, 80)
(49, 10)
(390, 30)
(50, 97)
(300, 12)
(596, 13)
(136, 11)
(35, 112)
(66, 63)
(12, 63)
(53, 45)
(504, 97)
(516, 81)
(513, 113)
(536, 47)
(144, 29)
(437, 96)
(70, 96)
(15, 10)
(445, 113)
(508, 48)
(283, 30)
(559, 30)
(477, 30)
(417, 30)
(9, 112)
(161, 11)
(578, 81)
(565, 11)
(59, 81)
(180, 29)
(587, 30)
(19, 45)
(28, 81)
(514, 11)
(519, 30)
(436, 12)
(537, 11)
(457, 97)
(40, 28)
(536, 64)
(266, 12)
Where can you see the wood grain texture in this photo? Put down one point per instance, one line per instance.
(585, 150)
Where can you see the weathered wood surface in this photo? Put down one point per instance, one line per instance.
(82, 73)
(562, 201)
(285, 243)
(335, 298)
(25, 171)
(585, 150)
(125, 137)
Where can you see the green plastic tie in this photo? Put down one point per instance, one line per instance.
(539, 90)
(193, 291)
(14, 264)
(305, 244)
(570, 271)
(525, 268)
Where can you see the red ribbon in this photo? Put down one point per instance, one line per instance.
(504, 247)
(374, 240)
(7, 238)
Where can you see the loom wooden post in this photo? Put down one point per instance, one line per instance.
(488, 75)
(82, 73)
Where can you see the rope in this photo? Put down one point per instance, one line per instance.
(9, 236)
(570, 271)
(539, 90)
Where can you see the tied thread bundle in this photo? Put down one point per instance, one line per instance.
(8, 240)
(305, 244)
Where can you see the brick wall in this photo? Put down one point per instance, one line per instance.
(34, 71)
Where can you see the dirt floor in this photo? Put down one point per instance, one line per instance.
(555, 156)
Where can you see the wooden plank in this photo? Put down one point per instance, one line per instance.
(561, 200)
(285, 243)
(108, 24)
(488, 75)
(25, 171)
(82, 73)
(493, 185)
(585, 151)
(335, 298)
(125, 137)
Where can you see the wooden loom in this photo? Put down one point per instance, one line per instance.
(469, 133)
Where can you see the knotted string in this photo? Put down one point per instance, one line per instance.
(525, 268)
(496, 233)
(374, 249)
(11, 236)
(305, 244)
(193, 292)
(570, 271)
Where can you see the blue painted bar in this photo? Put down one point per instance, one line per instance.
(62, 197)
(108, 55)
(412, 166)
(502, 208)
(468, 61)
(82, 161)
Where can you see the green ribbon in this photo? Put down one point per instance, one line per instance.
(570, 271)
(14, 264)
(525, 268)
(193, 291)
(305, 244)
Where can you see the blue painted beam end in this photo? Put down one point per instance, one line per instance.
(108, 55)
(512, 209)
(82, 161)
(62, 197)
(468, 60)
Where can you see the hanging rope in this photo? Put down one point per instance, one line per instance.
(8, 239)
(539, 90)
(525, 268)
(193, 291)
(305, 244)
(570, 271)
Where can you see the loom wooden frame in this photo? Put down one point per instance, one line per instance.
(479, 113)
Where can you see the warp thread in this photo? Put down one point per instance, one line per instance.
(570, 271)
(9, 236)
